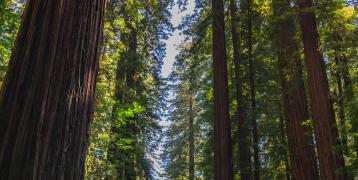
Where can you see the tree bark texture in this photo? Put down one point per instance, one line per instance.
(301, 149)
(242, 124)
(222, 135)
(325, 128)
(47, 98)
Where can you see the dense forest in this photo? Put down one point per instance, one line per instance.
(259, 89)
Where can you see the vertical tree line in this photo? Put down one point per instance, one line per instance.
(258, 90)
(266, 77)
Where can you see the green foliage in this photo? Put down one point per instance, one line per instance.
(10, 12)
(126, 129)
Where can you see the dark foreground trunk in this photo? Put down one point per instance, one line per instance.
(47, 98)
(301, 150)
(243, 129)
(222, 137)
(323, 115)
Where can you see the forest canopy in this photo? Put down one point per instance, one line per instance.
(258, 89)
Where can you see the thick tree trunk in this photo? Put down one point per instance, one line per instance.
(46, 102)
(191, 140)
(323, 115)
(252, 74)
(242, 126)
(301, 150)
(222, 134)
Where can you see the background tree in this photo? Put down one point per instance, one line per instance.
(222, 136)
(323, 113)
(302, 152)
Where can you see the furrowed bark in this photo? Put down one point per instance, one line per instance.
(47, 98)
(301, 150)
(326, 132)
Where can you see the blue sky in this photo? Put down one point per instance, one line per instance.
(175, 39)
(171, 51)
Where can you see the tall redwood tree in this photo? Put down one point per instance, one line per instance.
(222, 136)
(326, 132)
(242, 123)
(301, 150)
(252, 84)
(47, 98)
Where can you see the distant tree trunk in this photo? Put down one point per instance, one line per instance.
(131, 126)
(242, 128)
(348, 96)
(301, 150)
(191, 140)
(348, 93)
(222, 134)
(325, 128)
(340, 102)
(348, 87)
(252, 74)
(114, 157)
(47, 98)
(284, 142)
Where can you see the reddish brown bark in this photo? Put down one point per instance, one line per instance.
(222, 134)
(323, 115)
(242, 125)
(301, 150)
(47, 98)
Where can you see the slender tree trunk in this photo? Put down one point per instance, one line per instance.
(252, 74)
(325, 128)
(301, 150)
(340, 103)
(191, 140)
(47, 98)
(131, 72)
(284, 142)
(347, 96)
(242, 126)
(113, 152)
(348, 87)
(222, 134)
